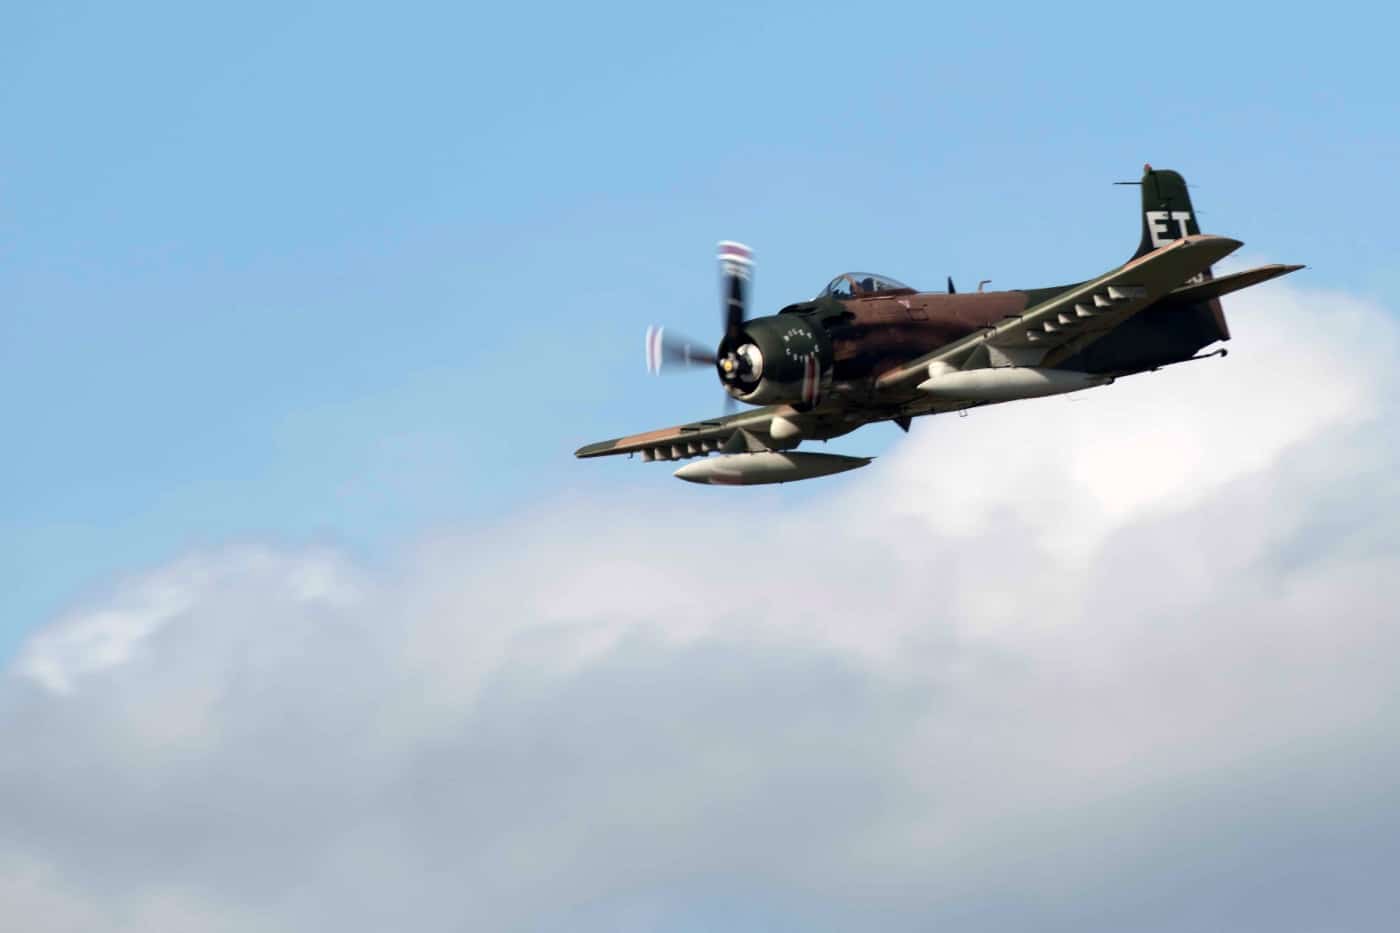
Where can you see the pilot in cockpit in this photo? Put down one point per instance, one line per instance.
(861, 285)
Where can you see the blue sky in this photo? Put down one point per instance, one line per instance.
(330, 273)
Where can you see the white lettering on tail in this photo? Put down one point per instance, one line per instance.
(1158, 229)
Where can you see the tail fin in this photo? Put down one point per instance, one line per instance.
(1167, 215)
(1166, 209)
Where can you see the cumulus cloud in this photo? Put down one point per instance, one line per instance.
(96, 639)
(1121, 661)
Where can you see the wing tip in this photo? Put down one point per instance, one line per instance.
(595, 450)
(1212, 238)
(1213, 245)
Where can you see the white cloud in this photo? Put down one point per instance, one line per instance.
(1125, 661)
(94, 640)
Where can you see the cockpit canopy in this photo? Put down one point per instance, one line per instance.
(860, 285)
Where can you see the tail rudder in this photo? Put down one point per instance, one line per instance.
(1166, 209)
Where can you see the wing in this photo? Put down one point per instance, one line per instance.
(1060, 327)
(746, 430)
(1225, 284)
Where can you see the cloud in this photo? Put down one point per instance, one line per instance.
(1123, 661)
(96, 639)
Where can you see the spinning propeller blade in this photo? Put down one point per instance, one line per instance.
(664, 350)
(735, 271)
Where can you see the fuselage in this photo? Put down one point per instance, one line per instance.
(847, 344)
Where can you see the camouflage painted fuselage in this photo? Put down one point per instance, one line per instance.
(871, 335)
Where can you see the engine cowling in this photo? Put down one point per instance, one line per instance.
(785, 358)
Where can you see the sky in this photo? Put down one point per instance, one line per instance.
(304, 310)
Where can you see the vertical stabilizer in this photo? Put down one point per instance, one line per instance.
(1166, 209)
(1167, 215)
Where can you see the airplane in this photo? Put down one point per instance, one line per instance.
(869, 348)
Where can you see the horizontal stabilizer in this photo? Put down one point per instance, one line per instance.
(1214, 288)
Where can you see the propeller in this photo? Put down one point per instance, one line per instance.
(735, 270)
(664, 349)
(736, 273)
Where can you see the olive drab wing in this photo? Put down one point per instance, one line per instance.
(869, 348)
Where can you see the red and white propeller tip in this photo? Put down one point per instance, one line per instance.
(654, 335)
(735, 255)
(684, 353)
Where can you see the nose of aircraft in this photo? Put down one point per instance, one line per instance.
(742, 365)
